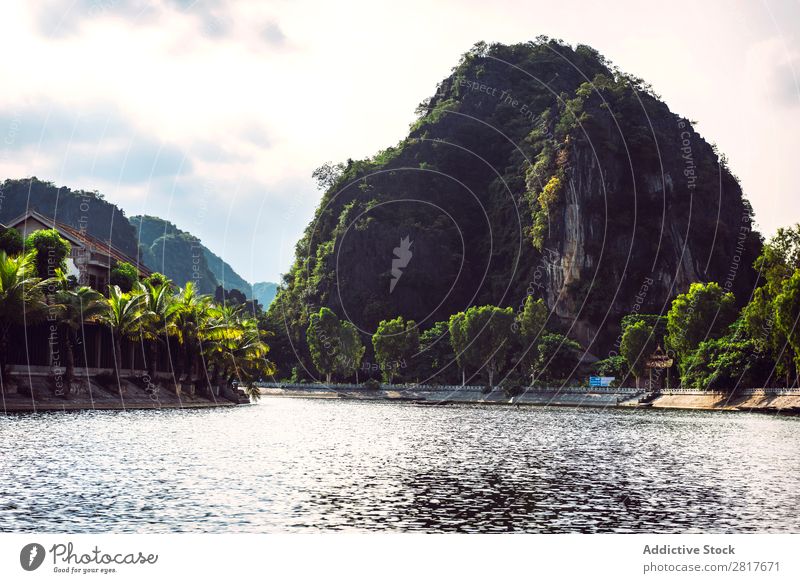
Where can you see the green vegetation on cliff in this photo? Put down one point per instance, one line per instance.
(536, 169)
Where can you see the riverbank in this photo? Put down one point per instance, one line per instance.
(763, 400)
(39, 392)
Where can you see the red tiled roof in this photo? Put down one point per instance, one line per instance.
(103, 246)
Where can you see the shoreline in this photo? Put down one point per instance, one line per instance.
(35, 393)
(13, 406)
(756, 401)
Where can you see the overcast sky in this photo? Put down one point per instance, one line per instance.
(213, 114)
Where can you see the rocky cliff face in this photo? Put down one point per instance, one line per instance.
(534, 169)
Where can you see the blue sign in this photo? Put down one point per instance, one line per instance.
(601, 381)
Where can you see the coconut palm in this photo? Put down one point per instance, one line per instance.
(124, 315)
(241, 355)
(76, 305)
(158, 323)
(22, 298)
(234, 345)
(190, 320)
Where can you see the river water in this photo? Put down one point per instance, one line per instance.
(298, 465)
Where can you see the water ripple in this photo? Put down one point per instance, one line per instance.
(305, 465)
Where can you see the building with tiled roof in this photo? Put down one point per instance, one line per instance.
(91, 260)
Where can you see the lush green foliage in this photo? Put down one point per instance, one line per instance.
(22, 298)
(437, 359)
(703, 313)
(395, 342)
(557, 358)
(324, 342)
(787, 308)
(125, 276)
(351, 350)
(51, 251)
(489, 336)
(637, 346)
(613, 366)
(761, 347)
(569, 177)
(10, 241)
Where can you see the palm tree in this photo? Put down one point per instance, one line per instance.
(221, 328)
(191, 317)
(124, 315)
(76, 305)
(235, 345)
(22, 297)
(160, 308)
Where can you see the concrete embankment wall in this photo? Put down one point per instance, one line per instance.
(749, 400)
(456, 394)
(34, 390)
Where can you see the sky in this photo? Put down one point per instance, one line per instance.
(213, 114)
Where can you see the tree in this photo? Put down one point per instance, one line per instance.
(21, 297)
(759, 324)
(351, 350)
(324, 342)
(703, 313)
(124, 275)
(157, 279)
(781, 256)
(327, 175)
(657, 323)
(123, 316)
(191, 317)
(636, 347)
(787, 306)
(435, 352)
(533, 318)
(489, 334)
(76, 305)
(728, 363)
(10, 241)
(458, 340)
(557, 357)
(531, 326)
(158, 322)
(395, 341)
(778, 261)
(613, 366)
(51, 252)
(243, 356)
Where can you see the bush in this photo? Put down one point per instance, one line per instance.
(125, 276)
(51, 251)
(157, 279)
(10, 241)
(372, 384)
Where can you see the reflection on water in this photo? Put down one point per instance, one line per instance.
(304, 465)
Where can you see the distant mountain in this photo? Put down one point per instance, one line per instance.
(182, 257)
(175, 253)
(158, 244)
(81, 209)
(264, 292)
(225, 274)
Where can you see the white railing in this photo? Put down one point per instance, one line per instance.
(445, 388)
(563, 390)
